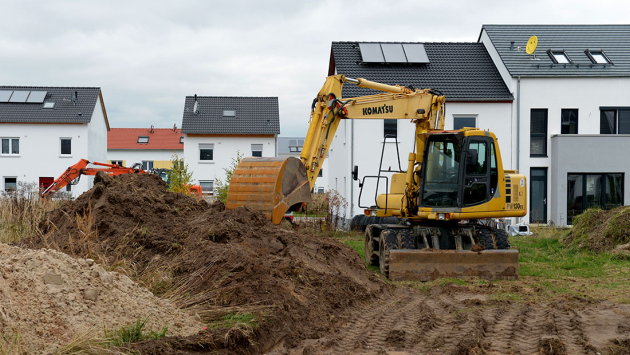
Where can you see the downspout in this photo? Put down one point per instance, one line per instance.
(351, 168)
(275, 139)
(518, 122)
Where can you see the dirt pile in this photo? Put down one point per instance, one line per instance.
(48, 298)
(600, 230)
(279, 285)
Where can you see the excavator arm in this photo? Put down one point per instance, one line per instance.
(80, 168)
(273, 185)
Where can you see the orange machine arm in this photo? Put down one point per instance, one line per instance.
(81, 168)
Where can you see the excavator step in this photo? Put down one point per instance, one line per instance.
(427, 265)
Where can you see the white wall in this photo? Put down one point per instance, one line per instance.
(368, 145)
(498, 62)
(40, 150)
(225, 149)
(97, 135)
(131, 156)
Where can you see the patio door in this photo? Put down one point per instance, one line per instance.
(538, 195)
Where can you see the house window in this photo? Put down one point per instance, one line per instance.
(538, 133)
(229, 113)
(69, 187)
(257, 150)
(143, 139)
(559, 56)
(181, 140)
(10, 184)
(461, 122)
(147, 165)
(117, 162)
(614, 121)
(10, 146)
(569, 121)
(66, 146)
(206, 152)
(320, 190)
(597, 57)
(295, 145)
(207, 187)
(593, 190)
(321, 172)
(390, 128)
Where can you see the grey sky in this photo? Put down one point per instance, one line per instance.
(148, 55)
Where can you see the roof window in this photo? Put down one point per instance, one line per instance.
(181, 140)
(49, 104)
(229, 113)
(597, 57)
(143, 139)
(559, 56)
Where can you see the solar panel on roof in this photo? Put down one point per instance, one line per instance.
(5, 95)
(293, 142)
(36, 97)
(393, 53)
(371, 53)
(416, 53)
(19, 96)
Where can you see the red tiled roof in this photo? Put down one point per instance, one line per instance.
(127, 138)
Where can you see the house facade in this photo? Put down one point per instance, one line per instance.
(44, 130)
(476, 96)
(571, 114)
(153, 148)
(216, 129)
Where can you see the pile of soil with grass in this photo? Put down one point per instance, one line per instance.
(600, 230)
(48, 298)
(254, 283)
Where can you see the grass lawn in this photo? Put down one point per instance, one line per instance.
(548, 269)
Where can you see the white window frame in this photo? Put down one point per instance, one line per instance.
(206, 146)
(209, 193)
(10, 147)
(4, 183)
(62, 155)
(229, 112)
(143, 142)
(149, 165)
(114, 162)
(257, 150)
(476, 117)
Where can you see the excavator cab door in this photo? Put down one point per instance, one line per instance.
(480, 172)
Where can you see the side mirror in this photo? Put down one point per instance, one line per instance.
(355, 173)
(472, 157)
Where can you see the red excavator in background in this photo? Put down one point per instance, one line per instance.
(74, 172)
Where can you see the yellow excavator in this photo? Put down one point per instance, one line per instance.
(453, 185)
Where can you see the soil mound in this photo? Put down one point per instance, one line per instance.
(600, 230)
(254, 283)
(48, 298)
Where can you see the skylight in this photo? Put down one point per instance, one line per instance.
(560, 57)
(597, 57)
(49, 104)
(229, 113)
(143, 139)
(181, 140)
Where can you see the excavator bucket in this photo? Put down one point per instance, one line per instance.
(269, 185)
(427, 264)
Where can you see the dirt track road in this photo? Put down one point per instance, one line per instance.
(452, 320)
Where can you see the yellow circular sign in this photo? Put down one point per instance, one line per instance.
(531, 45)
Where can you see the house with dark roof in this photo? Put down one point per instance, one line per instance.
(476, 96)
(217, 128)
(152, 147)
(44, 130)
(571, 114)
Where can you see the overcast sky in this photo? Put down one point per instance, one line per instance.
(146, 56)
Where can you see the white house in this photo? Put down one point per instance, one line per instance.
(217, 128)
(292, 147)
(44, 130)
(570, 121)
(152, 147)
(476, 96)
